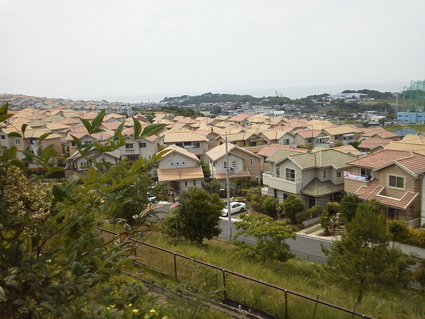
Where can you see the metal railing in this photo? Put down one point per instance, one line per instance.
(233, 288)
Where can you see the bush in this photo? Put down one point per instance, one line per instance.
(269, 206)
(401, 233)
(333, 208)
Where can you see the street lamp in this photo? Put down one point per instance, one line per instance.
(229, 218)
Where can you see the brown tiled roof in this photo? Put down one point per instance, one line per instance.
(317, 188)
(374, 142)
(373, 191)
(179, 174)
(239, 117)
(380, 158)
(410, 161)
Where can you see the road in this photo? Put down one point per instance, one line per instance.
(304, 246)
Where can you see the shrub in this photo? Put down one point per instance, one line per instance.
(333, 208)
(269, 206)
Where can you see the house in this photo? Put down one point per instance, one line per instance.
(343, 134)
(241, 139)
(278, 136)
(180, 168)
(241, 119)
(373, 144)
(379, 132)
(239, 161)
(133, 149)
(316, 177)
(392, 177)
(191, 141)
(311, 138)
(77, 163)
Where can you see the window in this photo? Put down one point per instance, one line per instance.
(308, 140)
(365, 172)
(73, 144)
(141, 145)
(194, 182)
(338, 174)
(286, 141)
(17, 141)
(396, 181)
(129, 146)
(132, 157)
(225, 165)
(251, 161)
(3, 137)
(234, 164)
(290, 174)
(185, 183)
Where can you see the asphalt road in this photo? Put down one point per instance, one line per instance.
(304, 246)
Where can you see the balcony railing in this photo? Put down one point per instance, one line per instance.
(360, 178)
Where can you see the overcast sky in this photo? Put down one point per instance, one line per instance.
(152, 48)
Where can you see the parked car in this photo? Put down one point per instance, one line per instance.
(235, 207)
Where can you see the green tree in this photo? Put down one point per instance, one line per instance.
(51, 257)
(292, 206)
(270, 238)
(270, 206)
(196, 219)
(349, 205)
(363, 260)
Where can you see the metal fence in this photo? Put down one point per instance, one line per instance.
(234, 289)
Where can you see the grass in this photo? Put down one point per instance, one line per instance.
(294, 275)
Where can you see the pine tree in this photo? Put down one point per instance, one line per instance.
(363, 258)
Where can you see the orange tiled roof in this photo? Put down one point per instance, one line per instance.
(179, 174)
(373, 191)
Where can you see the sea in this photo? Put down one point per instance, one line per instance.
(292, 92)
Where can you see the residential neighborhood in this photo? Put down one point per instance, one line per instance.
(313, 159)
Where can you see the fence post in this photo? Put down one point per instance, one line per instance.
(224, 284)
(175, 267)
(286, 304)
(315, 307)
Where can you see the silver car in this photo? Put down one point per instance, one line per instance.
(235, 207)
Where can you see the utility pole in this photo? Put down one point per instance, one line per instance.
(229, 218)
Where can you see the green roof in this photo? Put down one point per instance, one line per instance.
(323, 158)
(317, 188)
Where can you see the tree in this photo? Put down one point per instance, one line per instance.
(363, 259)
(349, 205)
(270, 206)
(292, 206)
(197, 218)
(51, 257)
(270, 238)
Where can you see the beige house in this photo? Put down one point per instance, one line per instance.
(373, 144)
(79, 164)
(316, 177)
(191, 141)
(394, 178)
(278, 136)
(242, 163)
(312, 138)
(180, 168)
(343, 134)
(133, 149)
(241, 139)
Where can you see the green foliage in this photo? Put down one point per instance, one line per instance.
(257, 202)
(401, 233)
(270, 238)
(325, 219)
(196, 219)
(292, 206)
(214, 186)
(269, 206)
(363, 259)
(348, 205)
(333, 208)
(51, 257)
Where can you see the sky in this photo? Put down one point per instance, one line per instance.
(145, 50)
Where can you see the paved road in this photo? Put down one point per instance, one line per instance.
(304, 246)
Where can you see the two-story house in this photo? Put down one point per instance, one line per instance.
(343, 134)
(191, 141)
(392, 177)
(133, 149)
(312, 138)
(316, 177)
(180, 168)
(239, 161)
(278, 136)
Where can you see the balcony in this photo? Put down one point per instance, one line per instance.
(273, 181)
(352, 182)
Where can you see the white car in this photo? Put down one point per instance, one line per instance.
(235, 207)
